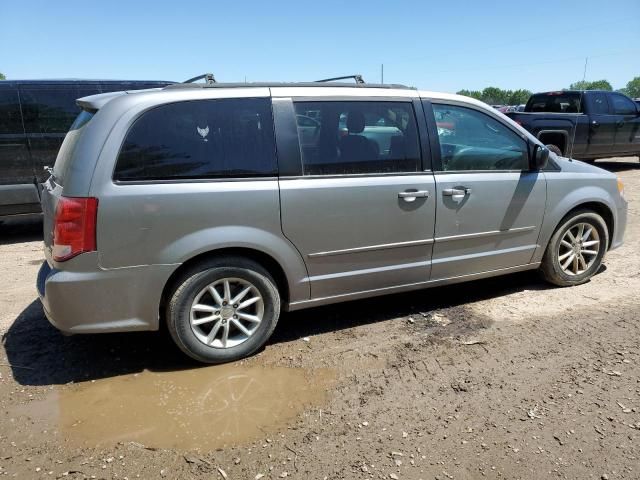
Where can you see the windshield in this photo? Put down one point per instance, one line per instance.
(555, 102)
(69, 145)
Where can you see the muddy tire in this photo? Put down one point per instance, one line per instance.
(555, 149)
(576, 249)
(222, 310)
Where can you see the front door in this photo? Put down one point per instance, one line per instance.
(602, 125)
(627, 124)
(362, 210)
(489, 205)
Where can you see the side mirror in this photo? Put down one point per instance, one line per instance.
(540, 157)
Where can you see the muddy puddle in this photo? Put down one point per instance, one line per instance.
(204, 408)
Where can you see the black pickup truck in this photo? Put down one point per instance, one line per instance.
(585, 124)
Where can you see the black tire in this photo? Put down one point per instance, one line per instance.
(193, 281)
(550, 267)
(555, 149)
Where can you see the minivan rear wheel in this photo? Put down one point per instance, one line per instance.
(576, 249)
(223, 310)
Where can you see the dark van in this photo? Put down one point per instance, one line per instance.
(34, 118)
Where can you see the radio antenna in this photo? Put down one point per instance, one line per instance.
(575, 127)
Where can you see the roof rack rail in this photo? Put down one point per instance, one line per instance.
(208, 77)
(358, 78)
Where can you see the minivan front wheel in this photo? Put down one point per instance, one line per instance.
(223, 310)
(576, 249)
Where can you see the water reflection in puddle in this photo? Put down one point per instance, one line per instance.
(203, 408)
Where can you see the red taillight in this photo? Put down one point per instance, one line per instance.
(74, 227)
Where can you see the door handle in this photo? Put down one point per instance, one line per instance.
(594, 124)
(409, 196)
(456, 192)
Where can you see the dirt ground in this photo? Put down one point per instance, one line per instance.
(505, 378)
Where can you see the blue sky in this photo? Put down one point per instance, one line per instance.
(444, 46)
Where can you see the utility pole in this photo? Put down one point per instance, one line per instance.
(382, 73)
(584, 74)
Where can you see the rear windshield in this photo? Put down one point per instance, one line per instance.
(69, 145)
(555, 102)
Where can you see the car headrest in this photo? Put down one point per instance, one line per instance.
(355, 121)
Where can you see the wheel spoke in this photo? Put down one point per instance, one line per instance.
(566, 244)
(587, 234)
(225, 334)
(570, 235)
(214, 331)
(589, 252)
(204, 308)
(569, 260)
(580, 230)
(241, 327)
(590, 243)
(583, 264)
(250, 318)
(564, 255)
(247, 303)
(227, 291)
(216, 296)
(575, 264)
(241, 295)
(200, 321)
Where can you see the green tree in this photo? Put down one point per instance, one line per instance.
(595, 85)
(633, 88)
(477, 94)
(494, 96)
(518, 97)
(2, 77)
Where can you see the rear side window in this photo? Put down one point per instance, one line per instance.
(472, 140)
(49, 110)
(341, 138)
(555, 102)
(200, 139)
(10, 120)
(623, 105)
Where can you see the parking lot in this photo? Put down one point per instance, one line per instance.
(499, 378)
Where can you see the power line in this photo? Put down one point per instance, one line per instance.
(546, 62)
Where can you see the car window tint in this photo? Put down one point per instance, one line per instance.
(49, 110)
(10, 120)
(69, 145)
(472, 140)
(623, 105)
(555, 102)
(341, 138)
(200, 139)
(599, 104)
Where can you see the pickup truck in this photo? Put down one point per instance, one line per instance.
(585, 125)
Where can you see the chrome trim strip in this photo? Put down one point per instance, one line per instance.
(370, 248)
(491, 233)
(492, 253)
(367, 271)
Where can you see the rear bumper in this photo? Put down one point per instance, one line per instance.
(94, 301)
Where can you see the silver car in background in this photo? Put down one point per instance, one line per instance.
(214, 207)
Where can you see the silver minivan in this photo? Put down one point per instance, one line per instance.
(213, 207)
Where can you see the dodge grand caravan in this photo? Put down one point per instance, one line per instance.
(211, 208)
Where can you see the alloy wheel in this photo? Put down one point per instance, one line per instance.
(226, 313)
